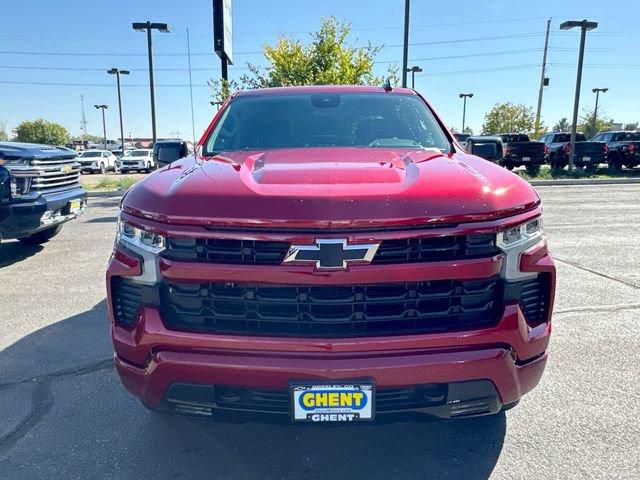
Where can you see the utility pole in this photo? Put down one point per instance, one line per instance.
(147, 27)
(405, 47)
(464, 97)
(595, 110)
(193, 123)
(104, 123)
(117, 73)
(584, 27)
(543, 79)
(83, 122)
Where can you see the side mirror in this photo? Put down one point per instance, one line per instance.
(5, 185)
(489, 148)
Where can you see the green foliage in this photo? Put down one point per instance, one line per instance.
(41, 131)
(563, 125)
(4, 136)
(509, 118)
(627, 126)
(587, 125)
(326, 60)
(468, 130)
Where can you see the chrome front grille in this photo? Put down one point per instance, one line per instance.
(55, 174)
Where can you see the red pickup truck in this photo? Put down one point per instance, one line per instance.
(330, 254)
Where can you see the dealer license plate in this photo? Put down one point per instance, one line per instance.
(526, 159)
(586, 159)
(74, 206)
(322, 403)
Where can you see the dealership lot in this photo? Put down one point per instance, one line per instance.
(65, 414)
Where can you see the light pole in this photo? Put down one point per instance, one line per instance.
(584, 27)
(405, 46)
(117, 73)
(142, 27)
(104, 124)
(595, 110)
(415, 69)
(464, 97)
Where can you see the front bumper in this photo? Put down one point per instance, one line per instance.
(124, 166)
(510, 355)
(28, 216)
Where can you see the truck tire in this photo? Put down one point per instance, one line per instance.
(41, 237)
(148, 167)
(615, 162)
(103, 170)
(533, 170)
(556, 165)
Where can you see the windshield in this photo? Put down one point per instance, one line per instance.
(90, 154)
(138, 153)
(327, 120)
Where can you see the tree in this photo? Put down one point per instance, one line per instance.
(41, 131)
(468, 130)
(630, 126)
(3, 132)
(509, 118)
(563, 125)
(587, 125)
(326, 60)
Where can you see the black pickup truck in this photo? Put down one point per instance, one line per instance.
(520, 150)
(39, 191)
(587, 153)
(623, 148)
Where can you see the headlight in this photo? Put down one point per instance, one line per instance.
(515, 240)
(130, 235)
(520, 233)
(20, 186)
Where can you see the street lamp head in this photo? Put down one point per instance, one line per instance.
(568, 25)
(101, 106)
(124, 72)
(414, 69)
(162, 27)
(112, 71)
(465, 95)
(139, 26)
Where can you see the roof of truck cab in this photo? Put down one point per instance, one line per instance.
(323, 89)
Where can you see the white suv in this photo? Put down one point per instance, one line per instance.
(140, 160)
(97, 161)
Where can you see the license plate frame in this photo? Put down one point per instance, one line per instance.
(75, 206)
(341, 413)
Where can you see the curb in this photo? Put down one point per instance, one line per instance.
(110, 194)
(585, 181)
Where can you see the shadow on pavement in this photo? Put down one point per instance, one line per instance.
(13, 252)
(83, 424)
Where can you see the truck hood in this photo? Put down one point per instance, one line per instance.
(329, 188)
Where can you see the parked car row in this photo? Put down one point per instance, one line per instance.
(135, 160)
(616, 149)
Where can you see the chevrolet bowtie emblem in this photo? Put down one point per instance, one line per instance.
(331, 253)
(66, 169)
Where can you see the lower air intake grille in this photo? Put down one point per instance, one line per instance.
(127, 299)
(332, 310)
(534, 299)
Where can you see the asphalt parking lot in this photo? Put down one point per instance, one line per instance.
(65, 415)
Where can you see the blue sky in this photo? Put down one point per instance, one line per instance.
(69, 44)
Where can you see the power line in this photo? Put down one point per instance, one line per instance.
(98, 54)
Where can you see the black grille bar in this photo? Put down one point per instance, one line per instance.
(259, 252)
(332, 310)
